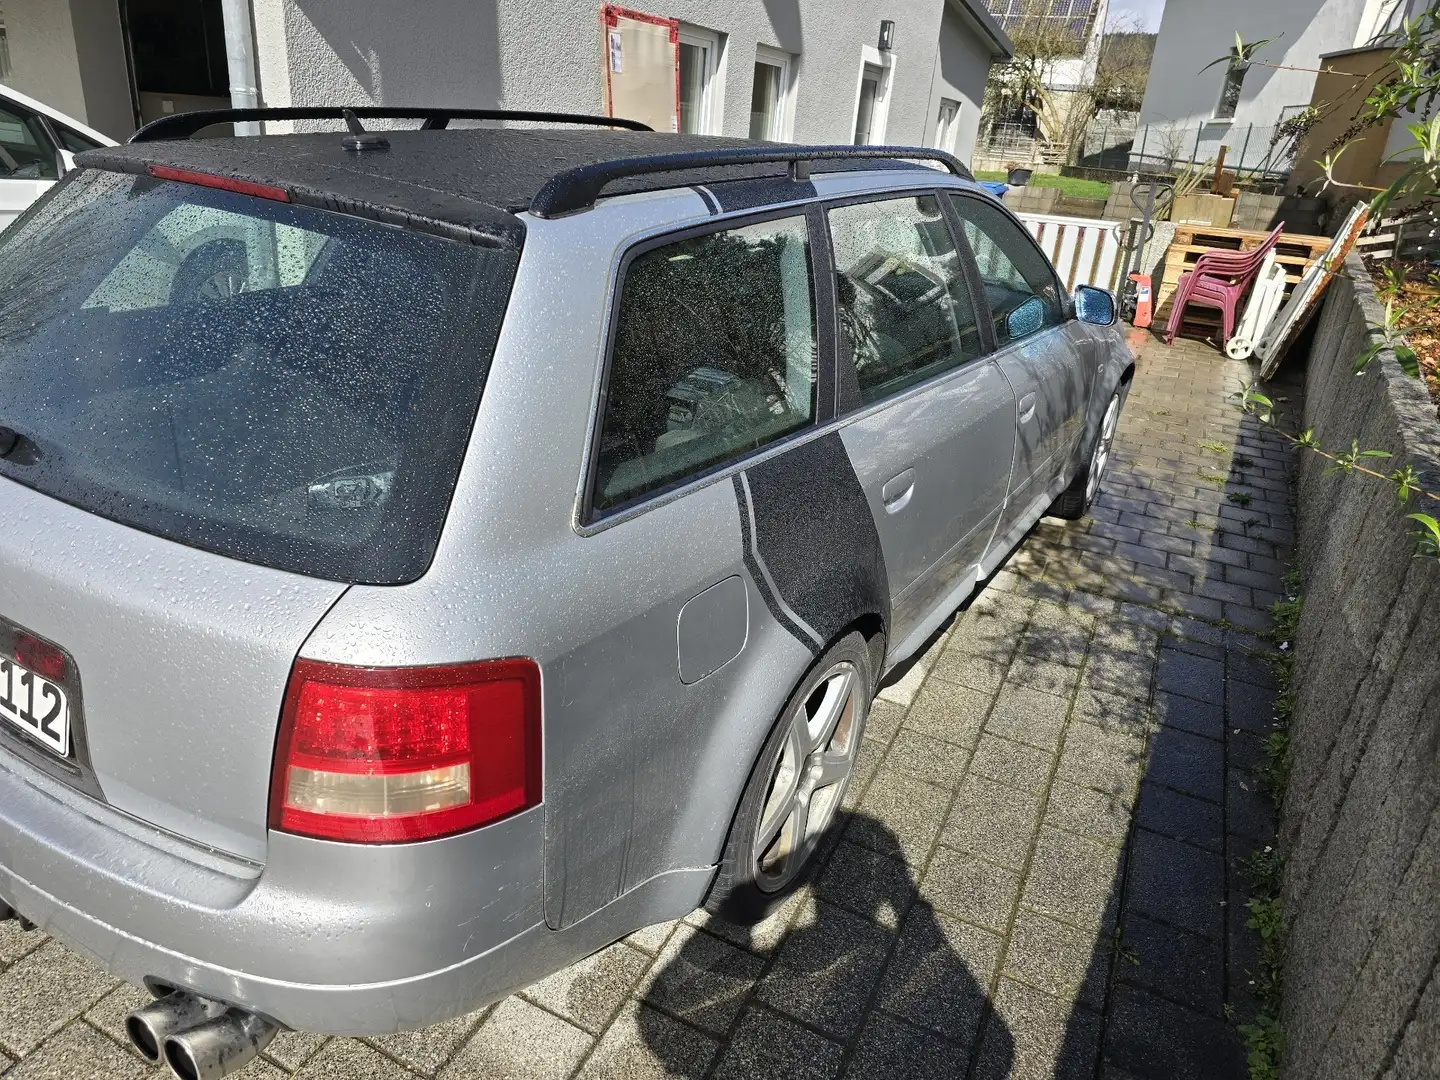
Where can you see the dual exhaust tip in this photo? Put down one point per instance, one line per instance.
(199, 1038)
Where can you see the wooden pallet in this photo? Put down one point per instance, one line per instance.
(1295, 251)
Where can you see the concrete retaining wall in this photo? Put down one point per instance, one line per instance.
(1360, 825)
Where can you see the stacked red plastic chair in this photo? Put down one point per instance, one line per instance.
(1220, 279)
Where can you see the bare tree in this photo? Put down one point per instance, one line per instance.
(1113, 79)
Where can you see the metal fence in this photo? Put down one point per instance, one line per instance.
(1251, 151)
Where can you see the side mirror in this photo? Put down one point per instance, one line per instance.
(1025, 319)
(1094, 305)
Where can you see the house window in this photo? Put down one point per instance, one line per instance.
(769, 95)
(4, 50)
(870, 79)
(1230, 88)
(699, 81)
(872, 96)
(947, 125)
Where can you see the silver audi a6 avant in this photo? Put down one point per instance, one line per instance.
(430, 556)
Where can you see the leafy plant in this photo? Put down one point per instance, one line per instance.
(1427, 536)
(1240, 498)
(1403, 479)
(1242, 461)
(1212, 478)
(1214, 447)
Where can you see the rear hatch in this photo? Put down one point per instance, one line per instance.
(218, 410)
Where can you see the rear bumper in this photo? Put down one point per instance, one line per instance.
(330, 938)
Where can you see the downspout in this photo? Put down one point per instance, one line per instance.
(240, 59)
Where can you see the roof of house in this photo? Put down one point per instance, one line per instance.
(471, 180)
(1001, 47)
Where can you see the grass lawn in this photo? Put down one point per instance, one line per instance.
(1069, 185)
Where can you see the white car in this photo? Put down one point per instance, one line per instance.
(38, 145)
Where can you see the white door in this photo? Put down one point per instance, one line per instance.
(29, 160)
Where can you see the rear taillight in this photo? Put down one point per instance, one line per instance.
(379, 755)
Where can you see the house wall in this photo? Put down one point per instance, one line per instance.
(546, 54)
(104, 74)
(1360, 823)
(70, 55)
(1345, 95)
(962, 65)
(43, 62)
(1181, 96)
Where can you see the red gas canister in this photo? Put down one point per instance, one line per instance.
(1142, 299)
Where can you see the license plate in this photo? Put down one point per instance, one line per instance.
(35, 705)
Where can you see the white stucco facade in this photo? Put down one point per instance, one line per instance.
(546, 54)
(69, 54)
(1182, 98)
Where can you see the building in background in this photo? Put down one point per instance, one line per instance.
(1191, 110)
(813, 71)
(1071, 93)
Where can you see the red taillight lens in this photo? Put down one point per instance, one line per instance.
(39, 656)
(379, 755)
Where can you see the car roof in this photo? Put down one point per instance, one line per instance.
(11, 94)
(473, 179)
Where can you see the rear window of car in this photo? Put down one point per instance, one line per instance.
(275, 383)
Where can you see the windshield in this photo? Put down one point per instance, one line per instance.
(275, 383)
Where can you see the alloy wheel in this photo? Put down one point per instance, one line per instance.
(1103, 446)
(809, 778)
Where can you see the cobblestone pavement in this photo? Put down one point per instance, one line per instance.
(1040, 874)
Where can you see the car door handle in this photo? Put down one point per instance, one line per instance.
(1027, 408)
(897, 491)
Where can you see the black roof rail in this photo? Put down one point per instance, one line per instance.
(578, 188)
(184, 125)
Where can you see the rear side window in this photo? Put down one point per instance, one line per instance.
(714, 356)
(271, 382)
(1019, 281)
(905, 310)
(26, 152)
(73, 140)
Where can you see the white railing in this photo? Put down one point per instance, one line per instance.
(1085, 251)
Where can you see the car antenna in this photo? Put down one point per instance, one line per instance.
(359, 139)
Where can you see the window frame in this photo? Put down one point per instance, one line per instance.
(870, 56)
(45, 139)
(1234, 72)
(957, 228)
(589, 520)
(712, 107)
(782, 124)
(849, 403)
(945, 132)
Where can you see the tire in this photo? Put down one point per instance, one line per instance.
(1075, 501)
(796, 786)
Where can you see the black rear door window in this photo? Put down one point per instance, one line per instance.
(271, 382)
(714, 356)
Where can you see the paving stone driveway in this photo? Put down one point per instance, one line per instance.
(1040, 874)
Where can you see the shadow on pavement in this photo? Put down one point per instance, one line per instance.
(855, 976)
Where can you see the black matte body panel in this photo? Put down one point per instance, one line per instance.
(815, 533)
